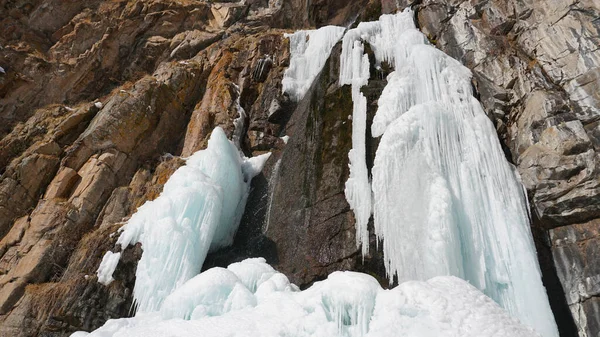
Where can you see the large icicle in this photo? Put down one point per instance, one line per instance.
(199, 210)
(309, 51)
(358, 188)
(445, 201)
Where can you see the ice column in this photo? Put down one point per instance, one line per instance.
(358, 188)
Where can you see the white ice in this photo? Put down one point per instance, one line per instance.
(199, 210)
(445, 200)
(107, 267)
(358, 188)
(250, 298)
(309, 51)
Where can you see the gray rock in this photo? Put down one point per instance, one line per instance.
(576, 251)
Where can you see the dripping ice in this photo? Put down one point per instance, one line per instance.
(199, 210)
(444, 199)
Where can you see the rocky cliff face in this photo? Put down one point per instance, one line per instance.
(100, 99)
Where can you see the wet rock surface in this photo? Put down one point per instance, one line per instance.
(101, 100)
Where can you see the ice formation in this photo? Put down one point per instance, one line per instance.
(445, 200)
(199, 210)
(250, 298)
(309, 51)
(107, 267)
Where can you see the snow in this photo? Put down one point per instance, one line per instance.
(309, 50)
(198, 211)
(445, 200)
(250, 298)
(285, 139)
(346, 304)
(98, 105)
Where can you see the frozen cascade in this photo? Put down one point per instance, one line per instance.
(199, 210)
(445, 200)
(309, 51)
(250, 298)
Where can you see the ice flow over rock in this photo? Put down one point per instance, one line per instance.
(199, 210)
(445, 200)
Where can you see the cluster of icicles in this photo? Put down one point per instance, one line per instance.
(445, 204)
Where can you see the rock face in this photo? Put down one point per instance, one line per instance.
(99, 100)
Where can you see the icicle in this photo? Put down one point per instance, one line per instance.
(238, 123)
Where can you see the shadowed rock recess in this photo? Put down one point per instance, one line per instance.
(100, 101)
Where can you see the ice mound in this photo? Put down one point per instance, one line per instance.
(199, 210)
(250, 298)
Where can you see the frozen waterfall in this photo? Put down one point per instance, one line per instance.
(445, 200)
(309, 51)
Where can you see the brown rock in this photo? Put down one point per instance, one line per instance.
(62, 184)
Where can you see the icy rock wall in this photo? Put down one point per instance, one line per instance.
(445, 200)
(199, 210)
